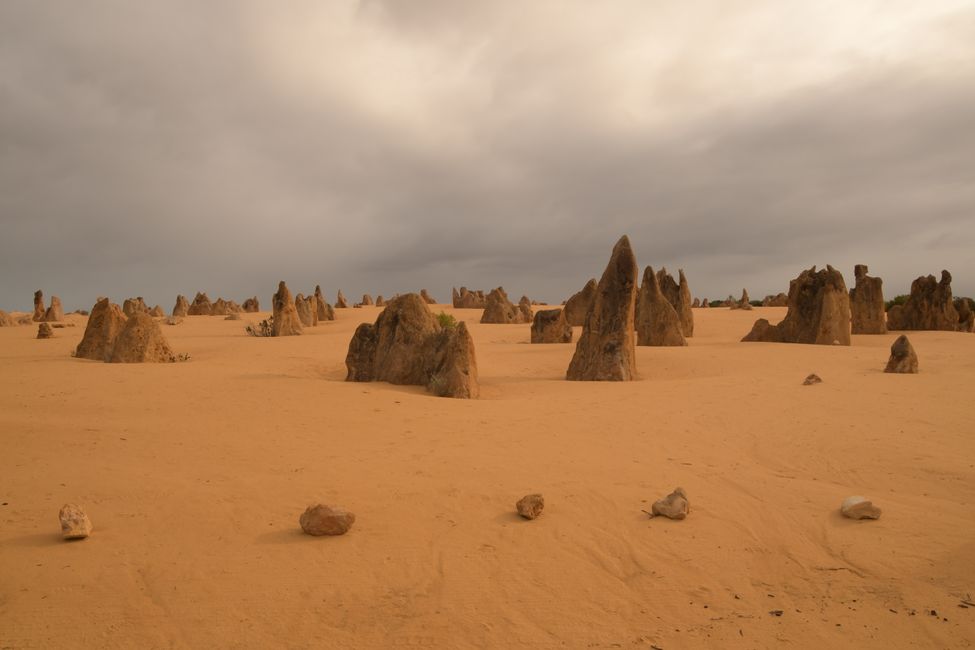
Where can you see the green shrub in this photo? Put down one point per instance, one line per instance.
(446, 321)
(898, 300)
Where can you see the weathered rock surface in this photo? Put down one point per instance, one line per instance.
(778, 300)
(549, 326)
(45, 331)
(54, 313)
(284, 315)
(366, 300)
(465, 299)
(525, 307)
(201, 306)
(221, 307)
(324, 310)
(182, 307)
(74, 522)
(577, 306)
(605, 351)
(251, 305)
(141, 341)
(966, 314)
(858, 507)
(812, 379)
(104, 325)
(903, 358)
(657, 322)
(38, 306)
(380, 301)
(306, 313)
(340, 301)
(867, 303)
(744, 303)
(157, 312)
(929, 307)
(530, 505)
(407, 345)
(6, 320)
(321, 520)
(427, 298)
(674, 506)
(819, 312)
(678, 294)
(499, 310)
(131, 306)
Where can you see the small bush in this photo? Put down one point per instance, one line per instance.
(898, 300)
(260, 329)
(446, 321)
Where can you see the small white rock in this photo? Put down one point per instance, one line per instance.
(857, 507)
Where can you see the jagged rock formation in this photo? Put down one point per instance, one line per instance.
(465, 299)
(427, 298)
(131, 306)
(201, 306)
(549, 326)
(340, 301)
(251, 305)
(678, 294)
(54, 313)
(6, 320)
(38, 306)
(966, 314)
(867, 303)
(696, 303)
(499, 310)
(929, 307)
(673, 506)
(525, 307)
(705, 303)
(657, 322)
(407, 345)
(182, 307)
(307, 312)
(366, 300)
(577, 306)
(819, 312)
(380, 301)
(45, 331)
(285, 321)
(74, 522)
(157, 312)
(141, 341)
(322, 308)
(223, 307)
(104, 325)
(903, 358)
(744, 303)
(605, 351)
(778, 300)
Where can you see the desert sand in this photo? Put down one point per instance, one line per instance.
(194, 476)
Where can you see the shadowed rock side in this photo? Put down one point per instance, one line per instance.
(307, 312)
(605, 351)
(427, 298)
(966, 314)
(465, 299)
(867, 303)
(54, 313)
(366, 300)
(201, 306)
(340, 301)
(579, 304)
(778, 300)
(157, 312)
(45, 331)
(38, 306)
(104, 324)
(324, 310)
(141, 341)
(285, 316)
(929, 307)
(223, 307)
(182, 306)
(380, 301)
(499, 310)
(549, 326)
(525, 307)
(678, 294)
(132, 306)
(408, 346)
(251, 305)
(657, 322)
(902, 359)
(819, 312)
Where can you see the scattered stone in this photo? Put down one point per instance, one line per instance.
(465, 299)
(44, 331)
(141, 341)
(55, 312)
(499, 310)
(251, 305)
(812, 379)
(175, 320)
(530, 506)
(903, 359)
(340, 301)
(673, 506)
(929, 307)
(321, 520)
(201, 306)
(427, 298)
(705, 304)
(657, 322)
(182, 307)
(74, 522)
(285, 321)
(104, 325)
(859, 508)
(233, 316)
(605, 351)
(38, 306)
(407, 345)
(867, 303)
(579, 304)
(819, 312)
(549, 326)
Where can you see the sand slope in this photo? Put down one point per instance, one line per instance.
(194, 475)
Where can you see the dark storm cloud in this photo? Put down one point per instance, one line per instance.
(156, 148)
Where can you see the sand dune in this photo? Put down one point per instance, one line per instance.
(194, 475)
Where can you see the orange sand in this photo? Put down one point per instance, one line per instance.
(194, 475)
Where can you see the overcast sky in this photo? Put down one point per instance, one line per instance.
(161, 147)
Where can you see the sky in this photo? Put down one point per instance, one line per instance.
(161, 147)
